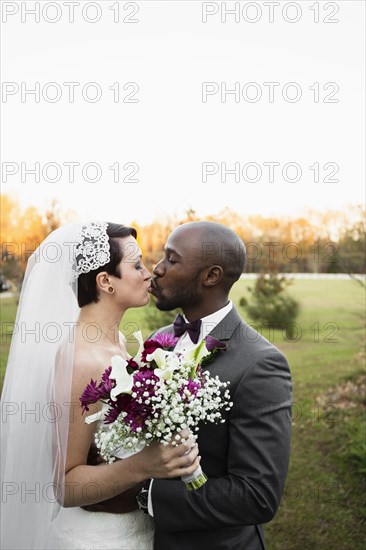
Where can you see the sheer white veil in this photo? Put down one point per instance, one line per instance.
(36, 408)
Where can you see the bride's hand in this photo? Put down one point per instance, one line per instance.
(168, 461)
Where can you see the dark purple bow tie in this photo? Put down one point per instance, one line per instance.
(193, 328)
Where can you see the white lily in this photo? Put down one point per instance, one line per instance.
(124, 380)
(173, 361)
(167, 363)
(137, 358)
(197, 353)
(160, 357)
(97, 416)
(164, 374)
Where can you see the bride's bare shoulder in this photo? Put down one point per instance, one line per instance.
(90, 362)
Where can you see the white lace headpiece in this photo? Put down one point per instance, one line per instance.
(92, 249)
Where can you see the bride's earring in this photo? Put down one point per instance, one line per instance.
(110, 289)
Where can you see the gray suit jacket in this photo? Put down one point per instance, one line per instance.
(246, 458)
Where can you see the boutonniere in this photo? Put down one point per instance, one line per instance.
(213, 347)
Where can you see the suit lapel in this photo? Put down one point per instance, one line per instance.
(225, 329)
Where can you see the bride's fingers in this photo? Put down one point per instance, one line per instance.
(187, 470)
(162, 461)
(185, 447)
(184, 460)
(183, 450)
(192, 468)
(170, 461)
(185, 434)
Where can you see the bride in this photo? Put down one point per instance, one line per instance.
(77, 286)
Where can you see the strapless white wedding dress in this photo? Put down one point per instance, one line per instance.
(77, 529)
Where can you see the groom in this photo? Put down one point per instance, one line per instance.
(245, 458)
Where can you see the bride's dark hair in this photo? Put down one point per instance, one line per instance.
(87, 288)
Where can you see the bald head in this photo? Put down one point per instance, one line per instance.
(214, 244)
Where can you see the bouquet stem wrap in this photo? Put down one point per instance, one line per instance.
(196, 480)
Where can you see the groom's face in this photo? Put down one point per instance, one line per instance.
(177, 282)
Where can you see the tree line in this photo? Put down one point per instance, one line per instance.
(317, 242)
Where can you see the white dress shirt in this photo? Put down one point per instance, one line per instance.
(185, 343)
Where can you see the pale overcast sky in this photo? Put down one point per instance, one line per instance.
(297, 102)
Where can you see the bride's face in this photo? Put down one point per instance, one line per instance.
(131, 290)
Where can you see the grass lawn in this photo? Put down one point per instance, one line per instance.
(323, 506)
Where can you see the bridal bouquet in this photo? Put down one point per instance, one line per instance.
(155, 395)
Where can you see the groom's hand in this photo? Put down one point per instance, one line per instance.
(120, 504)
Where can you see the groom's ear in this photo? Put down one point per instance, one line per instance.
(102, 281)
(213, 275)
